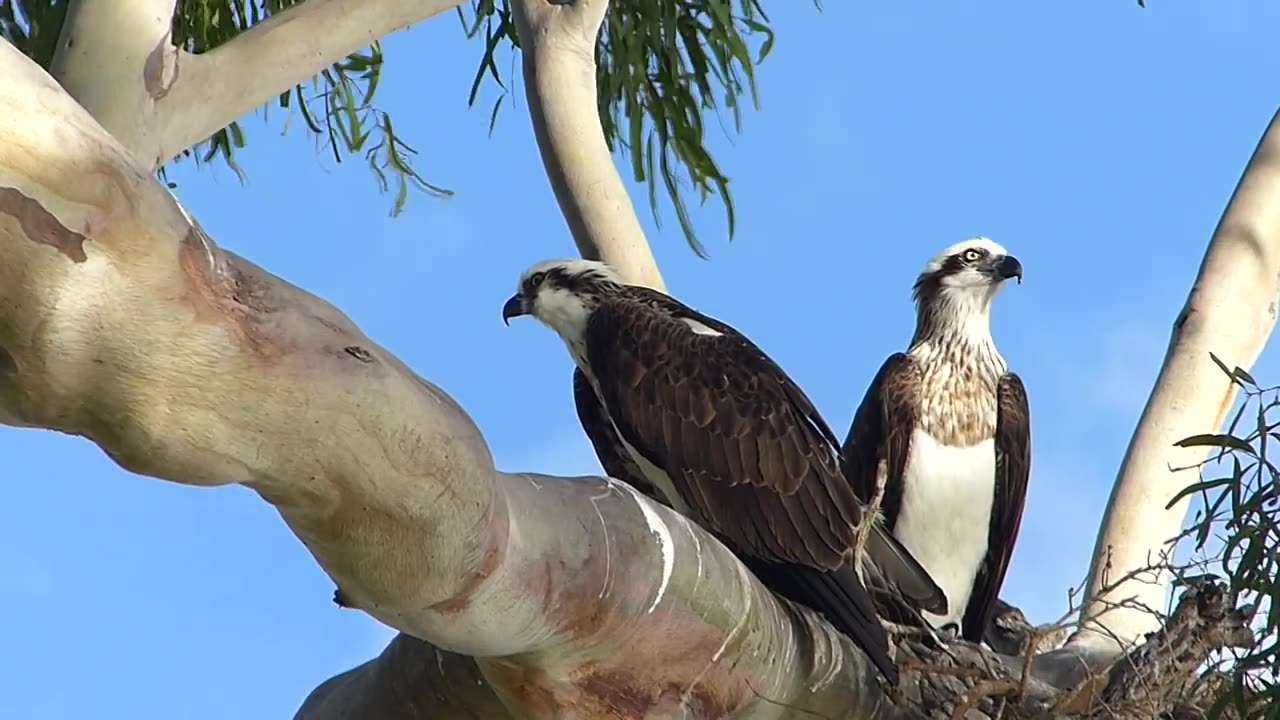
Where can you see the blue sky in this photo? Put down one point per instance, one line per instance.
(1098, 141)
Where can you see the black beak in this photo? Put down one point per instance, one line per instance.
(513, 308)
(1009, 267)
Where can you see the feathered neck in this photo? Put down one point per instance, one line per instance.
(956, 329)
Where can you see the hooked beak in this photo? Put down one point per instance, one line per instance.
(1007, 266)
(513, 308)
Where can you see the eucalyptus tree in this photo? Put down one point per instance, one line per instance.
(397, 497)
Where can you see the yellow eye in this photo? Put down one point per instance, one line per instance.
(536, 279)
(972, 255)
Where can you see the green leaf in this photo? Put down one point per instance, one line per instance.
(1203, 486)
(1229, 442)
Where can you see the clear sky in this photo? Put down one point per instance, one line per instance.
(1098, 141)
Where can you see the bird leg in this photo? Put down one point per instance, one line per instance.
(871, 515)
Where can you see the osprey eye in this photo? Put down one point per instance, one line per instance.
(972, 254)
(536, 279)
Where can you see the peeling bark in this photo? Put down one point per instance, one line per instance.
(38, 225)
(1230, 312)
(117, 59)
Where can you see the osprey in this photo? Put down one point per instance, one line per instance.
(689, 411)
(945, 430)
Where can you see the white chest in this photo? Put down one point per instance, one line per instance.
(654, 474)
(945, 515)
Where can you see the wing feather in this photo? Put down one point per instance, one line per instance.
(1013, 468)
(751, 405)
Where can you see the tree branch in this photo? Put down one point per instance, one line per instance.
(1230, 312)
(223, 84)
(118, 60)
(121, 321)
(557, 42)
(412, 680)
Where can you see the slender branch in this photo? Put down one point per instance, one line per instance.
(557, 39)
(223, 84)
(117, 60)
(121, 321)
(1230, 312)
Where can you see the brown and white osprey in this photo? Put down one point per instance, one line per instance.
(685, 408)
(945, 426)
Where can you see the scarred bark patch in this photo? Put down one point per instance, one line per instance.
(222, 293)
(7, 364)
(359, 353)
(625, 695)
(40, 225)
(160, 71)
(616, 691)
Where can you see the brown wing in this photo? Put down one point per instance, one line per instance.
(881, 432)
(613, 456)
(1013, 468)
(744, 447)
(739, 439)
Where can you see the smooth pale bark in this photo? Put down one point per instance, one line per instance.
(557, 43)
(414, 681)
(121, 321)
(117, 60)
(1230, 312)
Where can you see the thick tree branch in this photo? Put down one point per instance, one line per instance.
(122, 322)
(557, 39)
(411, 680)
(117, 59)
(1230, 312)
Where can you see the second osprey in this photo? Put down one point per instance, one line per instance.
(682, 404)
(945, 429)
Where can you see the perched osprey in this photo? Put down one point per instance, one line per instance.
(686, 408)
(945, 427)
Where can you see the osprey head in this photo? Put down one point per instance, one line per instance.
(562, 293)
(967, 274)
